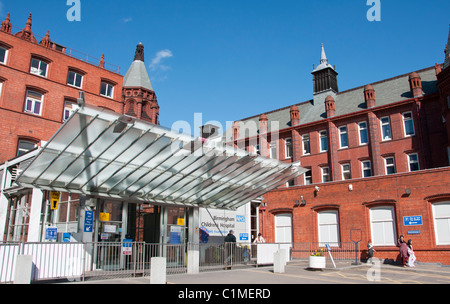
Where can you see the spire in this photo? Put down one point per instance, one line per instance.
(139, 55)
(323, 61)
(323, 56)
(26, 33)
(46, 40)
(137, 75)
(6, 25)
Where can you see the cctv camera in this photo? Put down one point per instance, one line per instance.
(317, 189)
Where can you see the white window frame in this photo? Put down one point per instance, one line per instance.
(306, 144)
(108, 85)
(362, 127)
(308, 177)
(345, 170)
(441, 222)
(364, 168)
(6, 55)
(34, 101)
(386, 137)
(413, 162)
(327, 169)
(408, 120)
(69, 108)
(283, 225)
(22, 150)
(328, 228)
(323, 138)
(75, 77)
(343, 131)
(39, 68)
(387, 225)
(288, 147)
(273, 150)
(386, 165)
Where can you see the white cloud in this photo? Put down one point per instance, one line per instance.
(156, 63)
(126, 20)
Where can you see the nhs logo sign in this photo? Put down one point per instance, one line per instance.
(240, 218)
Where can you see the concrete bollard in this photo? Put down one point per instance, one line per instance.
(158, 271)
(193, 259)
(23, 270)
(279, 261)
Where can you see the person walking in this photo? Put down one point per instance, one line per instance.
(412, 256)
(403, 250)
(371, 250)
(230, 243)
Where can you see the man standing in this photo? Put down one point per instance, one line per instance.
(230, 243)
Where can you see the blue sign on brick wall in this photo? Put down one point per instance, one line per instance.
(412, 220)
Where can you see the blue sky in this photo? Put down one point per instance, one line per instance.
(237, 58)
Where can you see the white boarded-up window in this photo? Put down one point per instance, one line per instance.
(328, 227)
(441, 214)
(382, 224)
(283, 228)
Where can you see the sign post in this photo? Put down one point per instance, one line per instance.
(329, 252)
(356, 238)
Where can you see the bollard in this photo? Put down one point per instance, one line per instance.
(279, 261)
(23, 271)
(158, 271)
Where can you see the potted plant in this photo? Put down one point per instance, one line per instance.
(317, 260)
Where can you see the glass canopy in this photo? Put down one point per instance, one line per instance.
(98, 152)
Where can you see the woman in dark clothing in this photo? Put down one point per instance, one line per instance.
(403, 250)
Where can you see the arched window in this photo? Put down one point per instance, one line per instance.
(382, 226)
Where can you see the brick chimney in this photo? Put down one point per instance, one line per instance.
(330, 107)
(415, 83)
(369, 96)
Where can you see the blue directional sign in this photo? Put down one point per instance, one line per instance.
(51, 234)
(412, 220)
(88, 221)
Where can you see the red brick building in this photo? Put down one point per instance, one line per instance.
(40, 82)
(377, 155)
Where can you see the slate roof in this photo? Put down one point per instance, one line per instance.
(137, 76)
(387, 91)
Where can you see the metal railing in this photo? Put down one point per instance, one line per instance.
(83, 261)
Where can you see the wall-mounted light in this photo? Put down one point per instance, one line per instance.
(408, 191)
(350, 187)
(301, 202)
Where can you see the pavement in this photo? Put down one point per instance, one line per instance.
(297, 272)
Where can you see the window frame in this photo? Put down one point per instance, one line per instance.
(345, 171)
(308, 177)
(390, 165)
(107, 83)
(273, 145)
(47, 64)
(409, 120)
(440, 217)
(21, 151)
(363, 168)
(6, 54)
(388, 124)
(323, 139)
(34, 101)
(410, 162)
(288, 147)
(322, 170)
(329, 226)
(365, 130)
(391, 222)
(306, 144)
(341, 134)
(74, 78)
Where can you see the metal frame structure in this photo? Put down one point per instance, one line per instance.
(98, 152)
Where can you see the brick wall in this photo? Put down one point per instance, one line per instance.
(16, 78)
(427, 187)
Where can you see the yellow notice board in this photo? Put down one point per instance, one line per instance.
(180, 222)
(103, 217)
(54, 200)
